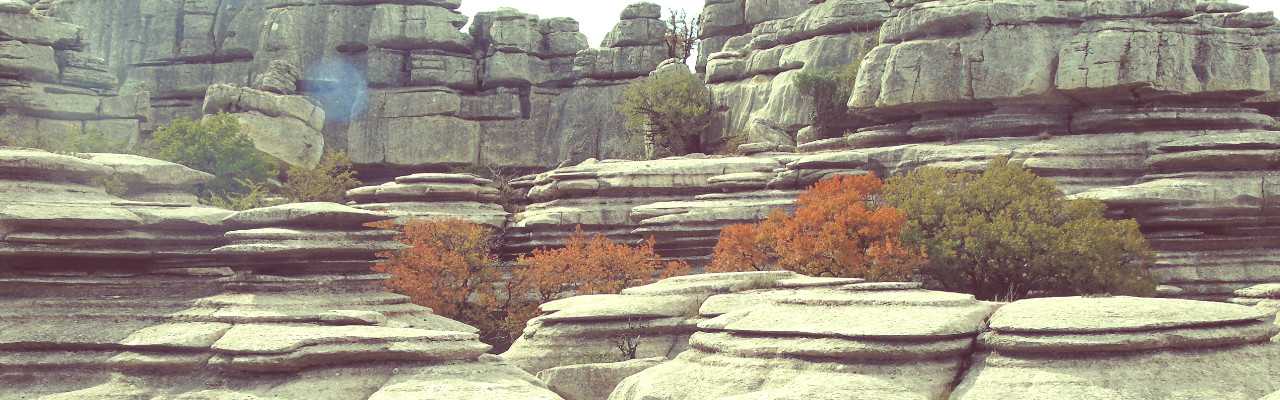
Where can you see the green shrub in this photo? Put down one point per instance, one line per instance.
(255, 195)
(673, 106)
(217, 146)
(329, 181)
(1007, 234)
(831, 90)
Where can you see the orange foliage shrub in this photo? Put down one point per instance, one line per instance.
(838, 230)
(593, 265)
(450, 267)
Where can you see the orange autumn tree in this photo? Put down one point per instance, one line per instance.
(839, 229)
(450, 266)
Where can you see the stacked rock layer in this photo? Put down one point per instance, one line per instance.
(102, 297)
(776, 335)
(53, 91)
(681, 202)
(404, 88)
(436, 196)
(1165, 110)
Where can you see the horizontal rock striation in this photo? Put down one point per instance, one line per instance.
(436, 196)
(852, 341)
(102, 297)
(681, 202)
(1107, 348)
(54, 91)
(285, 126)
(404, 88)
(779, 335)
(657, 319)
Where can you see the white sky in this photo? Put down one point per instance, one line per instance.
(598, 16)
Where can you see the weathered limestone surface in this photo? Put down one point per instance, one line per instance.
(1163, 111)
(285, 126)
(102, 297)
(593, 381)
(435, 196)
(1123, 348)
(52, 90)
(151, 180)
(779, 335)
(403, 87)
(681, 202)
(584, 329)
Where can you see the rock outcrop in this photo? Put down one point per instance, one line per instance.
(1109, 348)
(435, 196)
(287, 127)
(149, 180)
(681, 202)
(52, 91)
(403, 87)
(778, 335)
(593, 381)
(656, 319)
(1165, 111)
(102, 297)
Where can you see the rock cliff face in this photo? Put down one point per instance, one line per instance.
(776, 335)
(402, 86)
(102, 297)
(1164, 110)
(52, 90)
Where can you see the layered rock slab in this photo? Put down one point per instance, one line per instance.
(861, 341)
(1107, 348)
(435, 196)
(283, 306)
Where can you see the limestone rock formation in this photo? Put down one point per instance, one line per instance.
(54, 208)
(586, 329)
(403, 87)
(52, 91)
(1123, 348)
(435, 196)
(102, 297)
(778, 335)
(150, 180)
(673, 200)
(864, 341)
(286, 127)
(593, 381)
(1177, 132)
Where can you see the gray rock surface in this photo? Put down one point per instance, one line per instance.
(158, 301)
(435, 196)
(593, 381)
(517, 75)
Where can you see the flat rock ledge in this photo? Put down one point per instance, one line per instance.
(107, 298)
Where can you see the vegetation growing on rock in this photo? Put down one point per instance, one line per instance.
(328, 182)
(840, 229)
(451, 267)
(830, 90)
(1008, 234)
(672, 108)
(215, 145)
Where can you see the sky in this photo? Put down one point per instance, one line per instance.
(598, 16)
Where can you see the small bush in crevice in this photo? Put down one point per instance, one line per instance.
(329, 181)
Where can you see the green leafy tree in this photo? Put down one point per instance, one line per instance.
(329, 181)
(215, 145)
(672, 107)
(1007, 234)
